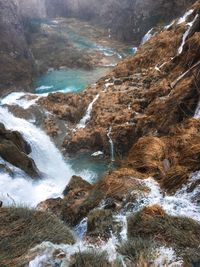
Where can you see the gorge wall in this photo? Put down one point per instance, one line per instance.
(16, 62)
(32, 8)
(127, 20)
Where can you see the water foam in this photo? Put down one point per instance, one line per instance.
(47, 158)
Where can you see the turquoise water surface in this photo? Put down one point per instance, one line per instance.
(75, 80)
(93, 168)
(67, 80)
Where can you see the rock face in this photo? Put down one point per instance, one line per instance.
(21, 229)
(146, 105)
(32, 8)
(15, 150)
(16, 61)
(128, 20)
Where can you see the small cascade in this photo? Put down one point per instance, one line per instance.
(112, 152)
(185, 35)
(147, 36)
(180, 204)
(197, 112)
(185, 16)
(24, 100)
(86, 118)
(167, 27)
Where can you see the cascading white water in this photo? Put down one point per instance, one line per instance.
(20, 99)
(180, 204)
(197, 112)
(112, 151)
(47, 158)
(185, 35)
(87, 116)
(147, 36)
(185, 16)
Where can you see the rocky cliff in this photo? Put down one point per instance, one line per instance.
(127, 20)
(16, 62)
(147, 106)
(32, 8)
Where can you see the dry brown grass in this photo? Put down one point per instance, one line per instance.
(175, 178)
(147, 155)
(119, 183)
(161, 47)
(170, 158)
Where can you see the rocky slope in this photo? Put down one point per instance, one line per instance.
(148, 102)
(133, 97)
(16, 62)
(148, 108)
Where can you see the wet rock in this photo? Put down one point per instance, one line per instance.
(11, 153)
(78, 202)
(75, 205)
(118, 82)
(15, 150)
(25, 229)
(69, 107)
(152, 223)
(100, 223)
(5, 169)
(110, 204)
(75, 183)
(52, 205)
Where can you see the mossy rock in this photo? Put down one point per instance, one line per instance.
(180, 233)
(22, 229)
(90, 259)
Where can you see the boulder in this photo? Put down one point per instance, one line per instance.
(15, 150)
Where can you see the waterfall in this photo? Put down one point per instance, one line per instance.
(197, 112)
(87, 116)
(112, 153)
(185, 35)
(47, 158)
(185, 16)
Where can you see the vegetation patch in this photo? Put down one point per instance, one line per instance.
(180, 233)
(90, 259)
(21, 229)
